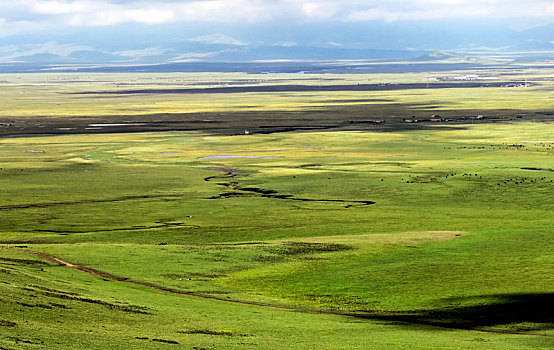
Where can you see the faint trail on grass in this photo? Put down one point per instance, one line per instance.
(109, 276)
(132, 228)
(88, 201)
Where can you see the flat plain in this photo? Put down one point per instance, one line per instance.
(136, 214)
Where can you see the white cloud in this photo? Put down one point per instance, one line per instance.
(114, 12)
(114, 17)
(99, 13)
(64, 7)
(448, 9)
(435, 14)
(227, 10)
(149, 16)
(320, 9)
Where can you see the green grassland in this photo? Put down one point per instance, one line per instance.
(434, 237)
(76, 103)
(51, 307)
(49, 94)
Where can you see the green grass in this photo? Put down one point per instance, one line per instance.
(457, 242)
(64, 309)
(46, 95)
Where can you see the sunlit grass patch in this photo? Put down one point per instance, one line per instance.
(389, 238)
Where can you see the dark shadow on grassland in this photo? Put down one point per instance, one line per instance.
(535, 312)
(358, 117)
(298, 88)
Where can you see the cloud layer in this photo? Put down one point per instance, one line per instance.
(114, 12)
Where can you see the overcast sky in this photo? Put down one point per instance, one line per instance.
(36, 15)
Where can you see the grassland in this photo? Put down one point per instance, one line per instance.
(368, 237)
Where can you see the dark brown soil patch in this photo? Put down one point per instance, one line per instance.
(165, 341)
(264, 193)
(212, 332)
(5, 323)
(537, 169)
(35, 305)
(24, 261)
(301, 248)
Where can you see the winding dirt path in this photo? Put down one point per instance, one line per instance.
(109, 276)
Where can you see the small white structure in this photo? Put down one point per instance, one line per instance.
(474, 77)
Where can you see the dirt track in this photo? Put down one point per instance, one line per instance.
(109, 276)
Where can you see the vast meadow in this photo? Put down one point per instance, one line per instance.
(163, 211)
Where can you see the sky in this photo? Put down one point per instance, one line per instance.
(31, 15)
(32, 27)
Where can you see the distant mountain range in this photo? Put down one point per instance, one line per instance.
(440, 42)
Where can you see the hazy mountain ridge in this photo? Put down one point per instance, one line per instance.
(460, 43)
